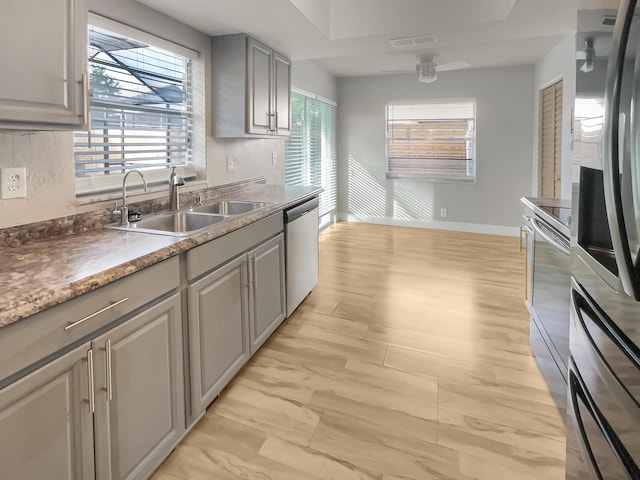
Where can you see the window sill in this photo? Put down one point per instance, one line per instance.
(430, 178)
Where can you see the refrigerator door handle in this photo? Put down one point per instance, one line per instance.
(613, 143)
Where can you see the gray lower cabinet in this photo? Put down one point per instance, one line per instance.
(46, 425)
(268, 305)
(139, 392)
(232, 311)
(218, 330)
(94, 387)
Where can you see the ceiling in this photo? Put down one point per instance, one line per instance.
(351, 37)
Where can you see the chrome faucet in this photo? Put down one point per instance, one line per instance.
(124, 209)
(175, 181)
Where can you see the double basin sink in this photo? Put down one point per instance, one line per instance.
(187, 222)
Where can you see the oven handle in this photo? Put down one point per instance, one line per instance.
(613, 143)
(577, 389)
(549, 239)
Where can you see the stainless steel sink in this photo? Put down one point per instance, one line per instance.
(228, 207)
(178, 224)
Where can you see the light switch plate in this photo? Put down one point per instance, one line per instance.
(13, 182)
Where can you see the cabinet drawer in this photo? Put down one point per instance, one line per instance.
(31, 340)
(212, 254)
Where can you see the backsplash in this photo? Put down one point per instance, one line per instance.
(82, 222)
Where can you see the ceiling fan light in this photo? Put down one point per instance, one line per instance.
(590, 53)
(426, 72)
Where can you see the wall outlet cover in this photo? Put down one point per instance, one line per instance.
(13, 182)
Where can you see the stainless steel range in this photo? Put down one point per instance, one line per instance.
(548, 231)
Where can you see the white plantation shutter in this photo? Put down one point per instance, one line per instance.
(551, 140)
(310, 151)
(140, 115)
(434, 140)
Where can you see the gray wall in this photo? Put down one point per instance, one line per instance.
(504, 130)
(307, 75)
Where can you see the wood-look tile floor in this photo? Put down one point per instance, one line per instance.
(409, 361)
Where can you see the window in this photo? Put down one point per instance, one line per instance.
(434, 140)
(310, 151)
(140, 112)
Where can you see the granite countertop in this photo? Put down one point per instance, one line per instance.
(43, 273)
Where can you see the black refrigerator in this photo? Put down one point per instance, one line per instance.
(603, 424)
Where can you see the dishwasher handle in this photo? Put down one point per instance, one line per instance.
(299, 210)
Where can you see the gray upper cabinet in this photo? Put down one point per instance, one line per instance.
(44, 81)
(268, 305)
(282, 93)
(251, 85)
(139, 385)
(46, 425)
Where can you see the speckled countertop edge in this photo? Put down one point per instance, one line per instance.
(47, 272)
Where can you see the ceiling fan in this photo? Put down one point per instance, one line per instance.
(427, 67)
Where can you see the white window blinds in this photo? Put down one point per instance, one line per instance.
(310, 151)
(140, 115)
(434, 140)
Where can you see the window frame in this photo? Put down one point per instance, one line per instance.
(99, 187)
(471, 143)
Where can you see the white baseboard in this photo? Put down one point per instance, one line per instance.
(436, 225)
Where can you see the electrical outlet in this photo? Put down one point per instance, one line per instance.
(443, 212)
(274, 158)
(13, 182)
(231, 164)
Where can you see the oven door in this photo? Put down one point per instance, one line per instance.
(603, 425)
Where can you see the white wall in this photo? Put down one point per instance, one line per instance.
(308, 75)
(48, 157)
(504, 104)
(558, 64)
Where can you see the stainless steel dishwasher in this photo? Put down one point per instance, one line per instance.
(301, 240)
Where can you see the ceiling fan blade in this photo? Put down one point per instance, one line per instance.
(451, 66)
(413, 70)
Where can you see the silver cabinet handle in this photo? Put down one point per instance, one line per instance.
(92, 398)
(252, 262)
(526, 229)
(107, 347)
(102, 310)
(85, 103)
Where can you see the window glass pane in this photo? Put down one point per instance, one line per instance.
(432, 140)
(310, 157)
(140, 108)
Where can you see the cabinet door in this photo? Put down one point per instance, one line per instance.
(139, 392)
(46, 426)
(282, 93)
(44, 56)
(218, 331)
(268, 290)
(259, 107)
